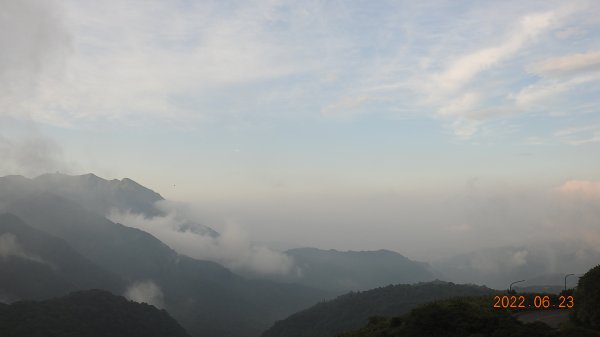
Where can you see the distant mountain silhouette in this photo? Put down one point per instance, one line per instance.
(351, 311)
(355, 270)
(91, 313)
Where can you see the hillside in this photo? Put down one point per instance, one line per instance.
(352, 270)
(91, 313)
(352, 310)
(461, 317)
(36, 265)
(474, 316)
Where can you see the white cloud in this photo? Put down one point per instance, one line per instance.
(465, 128)
(34, 44)
(568, 65)
(232, 247)
(188, 62)
(579, 135)
(559, 76)
(131, 59)
(460, 105)
(31, 155)
(146, 292)
(519, 258)
(461, 71)
(344, 106)
(9, 246)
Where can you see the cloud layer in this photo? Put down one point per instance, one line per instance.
(185, 62)
(232, 248)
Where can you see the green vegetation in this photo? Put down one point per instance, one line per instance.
(353, 310)
(92, 313)
(461, 317)
(587, 309)
(474, 316)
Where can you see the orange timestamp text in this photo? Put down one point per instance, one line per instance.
(535, 302)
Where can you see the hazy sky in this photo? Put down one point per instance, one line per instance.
(420, 126)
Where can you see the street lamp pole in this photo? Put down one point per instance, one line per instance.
(510, 286)
(566, 280)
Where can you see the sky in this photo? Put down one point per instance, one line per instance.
(423, 127)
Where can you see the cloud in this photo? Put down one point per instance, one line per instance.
(9, 246)
(519, 258)
(569, 65)
(146, 292)
(498, 260)
(232, 247)
(35, 44)
(559, 75)
(461, 71)
(30, 155)
(585, 189)
(122, 60)
(458, 106)
(579, 135)
(184, 63)
(344, 105)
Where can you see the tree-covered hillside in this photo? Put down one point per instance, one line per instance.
(461, 317)
(91, 313)
(587, 310)
(352, 310)
(475, 316)
(36, 265)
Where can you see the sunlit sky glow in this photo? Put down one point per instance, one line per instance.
(294, 117)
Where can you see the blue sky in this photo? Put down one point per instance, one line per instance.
(226, 103)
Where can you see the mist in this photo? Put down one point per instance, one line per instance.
(146, 292)
(231, 248)
(39, 44)
(423, 225)
(30, 154)
(10, 247)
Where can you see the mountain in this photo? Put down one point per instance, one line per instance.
(351, 311)
(351, 270)
(538, 264)
(206, 298)
(103, 196)
(36, 265)
(100, 195)
(91, 313)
